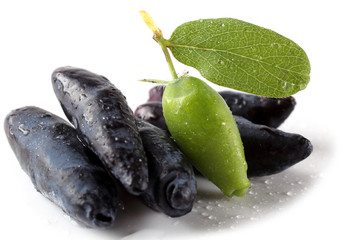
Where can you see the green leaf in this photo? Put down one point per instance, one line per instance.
(242, 56)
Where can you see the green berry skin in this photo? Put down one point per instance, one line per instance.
(204, 128)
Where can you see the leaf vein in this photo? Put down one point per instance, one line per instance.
(238, 55)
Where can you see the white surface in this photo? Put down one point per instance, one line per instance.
(317, 198)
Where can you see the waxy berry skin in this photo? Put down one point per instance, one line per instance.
(61, 167)
(104, 122)
(172, 183)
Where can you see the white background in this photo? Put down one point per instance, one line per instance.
(317, 198)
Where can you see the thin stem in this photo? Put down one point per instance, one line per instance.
(161, 42)
(154, 81)
(158, 37)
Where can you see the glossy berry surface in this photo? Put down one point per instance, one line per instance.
(61, 168)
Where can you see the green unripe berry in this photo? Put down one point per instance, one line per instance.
(204, 128)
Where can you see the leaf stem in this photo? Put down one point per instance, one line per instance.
(158, 37)
(167, 57)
